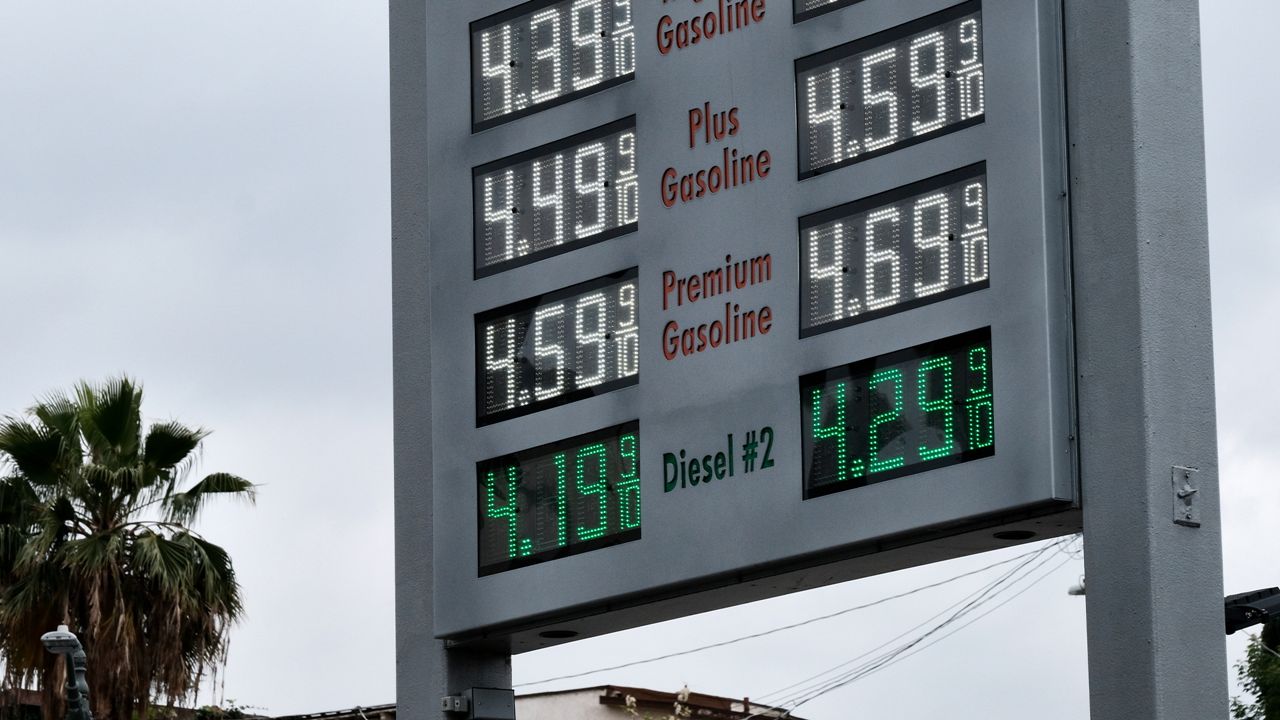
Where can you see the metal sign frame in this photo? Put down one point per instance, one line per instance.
(697, 546)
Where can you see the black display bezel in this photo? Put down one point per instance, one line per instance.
(533, 302)
(500, 17)
(550, 148)
(869, 42)
(866, 368)
(551, 448)
(799, 16)
(870, 203)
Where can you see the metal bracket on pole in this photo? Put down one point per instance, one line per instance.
(1185, 490)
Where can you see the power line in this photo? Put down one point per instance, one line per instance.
(900, 658)
(903, 652)
(779, 692)
(791, 626)
(970, 602)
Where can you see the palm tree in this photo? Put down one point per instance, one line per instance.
(94, 533)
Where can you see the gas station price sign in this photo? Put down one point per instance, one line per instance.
(541, 53)
(557, 348)
(886, 307)
(559, 499)
(890, 90)
(898, 414)
(919, 244)
(557, 197)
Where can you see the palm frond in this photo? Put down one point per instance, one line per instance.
(184, 507)
(11, 541)
(213, 575)
(169, 443)
(18, 501)
(162, 560)
(169, 454)
(97, 479)
(59, 413)
(97, 553)
(111, 419)
(35, 451)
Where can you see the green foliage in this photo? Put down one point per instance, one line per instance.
(94, 509)
(1259, 675)
(233, 711)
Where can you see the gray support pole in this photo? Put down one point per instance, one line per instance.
(1144, 344)
(425, 669)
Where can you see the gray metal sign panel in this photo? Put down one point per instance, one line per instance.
(753, 532)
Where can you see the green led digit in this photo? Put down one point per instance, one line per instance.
(978, 406)
(941, 404)
(516, 547)
(599, 488)
(629, 483)
(893, 375)
(836, 431)
(562, 502)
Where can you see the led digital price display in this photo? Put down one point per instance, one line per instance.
(913, 410)
(911, 246)
(556, 197)
(560, 499)
(544, 53)
(890, 90)
(557, 348)
(805, 9)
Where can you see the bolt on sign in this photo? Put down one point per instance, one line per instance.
(732, 298)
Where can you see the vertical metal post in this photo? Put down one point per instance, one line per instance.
(1144, 342)
(425, 669)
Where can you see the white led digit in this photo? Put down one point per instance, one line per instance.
(562, 346)
(500, 67)
(886, 97)
(970, 77)
(578, 190)
(829, 241)
(591, 333)
(975, 234)
(928, 78)
(971, 38)
(588, 42)
(628, 187)
(624, 38)
(504, 363)
(627, 337)
(590, 192)
(554, 350)
(547, 54)
(553, 199)
(921, 243)
(500, 209)
(936, 241)
(832, 114)
(878, 93)
(877, 257)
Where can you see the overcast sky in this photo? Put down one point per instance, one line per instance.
(197, 194)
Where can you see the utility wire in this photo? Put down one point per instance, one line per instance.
(921, 648)
(830, 681)
(914, 647)
(779, 692)
(970, 603)
(792, 626)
